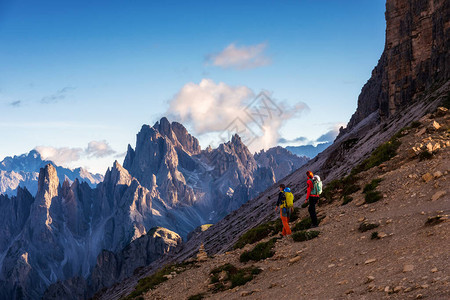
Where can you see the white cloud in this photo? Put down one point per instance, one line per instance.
(99, 149)
(218, 110)
(60, 156)
(244, 57)
(64, 156)
(208, 106)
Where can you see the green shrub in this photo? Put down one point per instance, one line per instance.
(234, 276)
(431, 221)
(373, 196)
(366, 226)
(345, 186)
(260, 251)
(305, 224)
(372, 185)
(304, 235)
(258, 233)
(381, 154)
(347, 200)
(150, 282)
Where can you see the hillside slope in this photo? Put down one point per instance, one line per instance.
(408, 259)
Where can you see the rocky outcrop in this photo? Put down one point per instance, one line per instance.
(112, 267)
(415, 58)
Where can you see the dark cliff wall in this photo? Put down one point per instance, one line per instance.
(416, 57)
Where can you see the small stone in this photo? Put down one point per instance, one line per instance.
(371, 287)
(272, 285)
(419, 296)
(422, 212)
(438, 195)
(388, 221)
(369, 261)
(435, 125)
(245, 293)
(427, 177)
(382, 235)
(424, 286)
(370, 279)
(295, 259)
(421, 132)
(397, 289)
(441, 111)
(408, 268)
(349, 292)
(343, 282)
(361, 219)
(434, 270)
(331, 265)
(437, 174)
(407, 290)
(387, 289)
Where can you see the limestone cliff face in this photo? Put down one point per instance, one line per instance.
(415, 58)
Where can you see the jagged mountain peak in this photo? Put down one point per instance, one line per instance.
(117, 175)
(48, 179)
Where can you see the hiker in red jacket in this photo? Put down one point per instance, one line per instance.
(284, 211)
(312, 198)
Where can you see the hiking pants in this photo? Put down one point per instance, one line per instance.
(312, 209)
(285, 220)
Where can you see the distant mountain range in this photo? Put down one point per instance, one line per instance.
(23, 171)
(309, 150)
(67, 229)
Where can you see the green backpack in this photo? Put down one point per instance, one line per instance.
(317, 185)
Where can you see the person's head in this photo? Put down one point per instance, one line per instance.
(309, 174)
(282, 187)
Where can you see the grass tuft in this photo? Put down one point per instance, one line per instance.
(374, 236)
(150, 282)
(372, 185)
(259, 252)
(366, 226)
(347, 200)
(233, 276)
(258, 233)
(373, 196)
(304, 235)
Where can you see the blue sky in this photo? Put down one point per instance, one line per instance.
(95, 71)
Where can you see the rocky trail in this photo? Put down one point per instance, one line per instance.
(404, 256)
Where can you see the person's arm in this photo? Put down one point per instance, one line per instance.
(309, 189)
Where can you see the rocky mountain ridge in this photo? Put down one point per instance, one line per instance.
(23, 170)
(90, 238)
